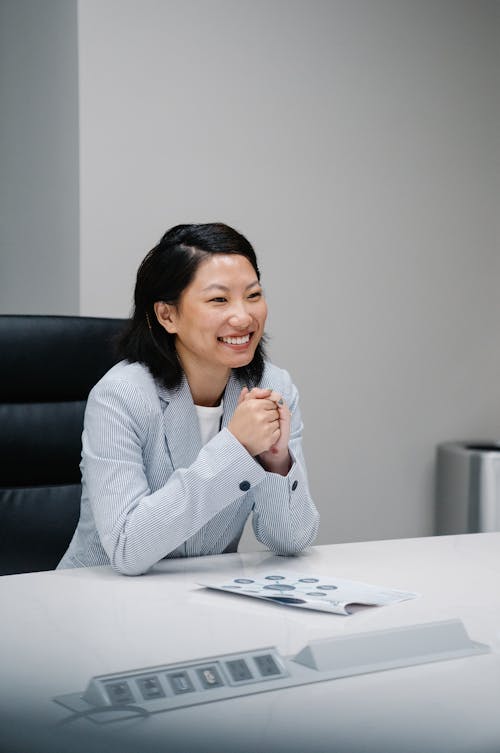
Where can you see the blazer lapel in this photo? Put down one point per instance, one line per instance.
(231, 396)
(180, 420)
(182, 430)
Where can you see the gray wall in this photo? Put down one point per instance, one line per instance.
(38, 157)
(355, 143)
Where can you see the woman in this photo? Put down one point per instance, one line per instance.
(193, 430)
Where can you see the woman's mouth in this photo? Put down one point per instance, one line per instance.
(236, 340)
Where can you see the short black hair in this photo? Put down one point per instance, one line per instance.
(163, 275)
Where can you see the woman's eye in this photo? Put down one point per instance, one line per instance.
(257, 294)
(219, 299)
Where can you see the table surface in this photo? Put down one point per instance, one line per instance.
(60, 628)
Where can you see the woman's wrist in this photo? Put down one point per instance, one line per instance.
(273, 463)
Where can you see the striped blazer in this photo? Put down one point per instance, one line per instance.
(150, 490)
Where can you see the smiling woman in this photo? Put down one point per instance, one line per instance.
(194, 430)
(218, 323)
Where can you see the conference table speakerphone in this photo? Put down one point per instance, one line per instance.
(167, 687)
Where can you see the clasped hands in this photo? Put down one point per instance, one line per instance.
(261, 422)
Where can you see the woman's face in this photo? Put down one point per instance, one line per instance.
(220, 317)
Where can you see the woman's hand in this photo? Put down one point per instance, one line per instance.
(262, 409)
(255, 422)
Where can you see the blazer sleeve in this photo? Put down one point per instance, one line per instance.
(285, 517)
(137, 526)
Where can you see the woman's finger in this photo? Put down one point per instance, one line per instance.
(243, 394)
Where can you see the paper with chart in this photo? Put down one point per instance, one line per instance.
(319, 592)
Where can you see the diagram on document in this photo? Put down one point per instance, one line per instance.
(319, 592)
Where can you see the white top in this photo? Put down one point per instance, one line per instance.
(209, 419)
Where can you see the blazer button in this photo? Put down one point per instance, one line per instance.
(245, 486)
(295, 485)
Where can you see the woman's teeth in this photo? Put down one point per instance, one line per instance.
(235, 340)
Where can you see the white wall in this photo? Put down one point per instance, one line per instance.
(38, 157)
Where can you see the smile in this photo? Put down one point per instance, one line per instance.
(235, 340)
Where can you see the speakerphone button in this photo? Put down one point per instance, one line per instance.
(150, 688)
(119, 693)
(239, 671)
(210, 677)
(267, 665)
(180, 682)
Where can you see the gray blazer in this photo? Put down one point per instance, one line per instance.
(150, 490)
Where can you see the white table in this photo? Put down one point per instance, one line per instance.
(58, 629)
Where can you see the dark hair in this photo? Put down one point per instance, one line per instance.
(163, 275)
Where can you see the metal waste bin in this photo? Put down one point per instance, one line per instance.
(468, 487)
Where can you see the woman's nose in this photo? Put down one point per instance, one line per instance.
(239, 317)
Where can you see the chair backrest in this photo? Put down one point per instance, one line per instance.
(48, 365)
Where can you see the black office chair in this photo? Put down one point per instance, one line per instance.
(48, 366)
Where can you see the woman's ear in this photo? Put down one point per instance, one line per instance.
(166, 316)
